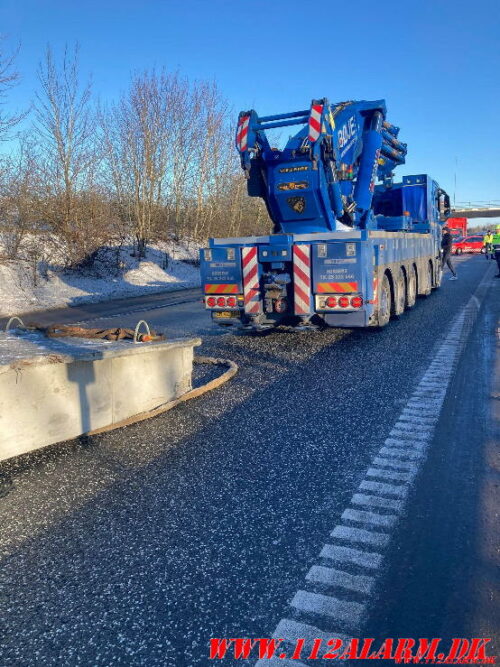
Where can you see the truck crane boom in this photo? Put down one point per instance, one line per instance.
(343, 148)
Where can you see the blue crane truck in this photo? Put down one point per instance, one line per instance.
(344, 251)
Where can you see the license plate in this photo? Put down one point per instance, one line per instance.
(225, 314)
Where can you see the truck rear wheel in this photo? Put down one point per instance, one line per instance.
(411, 292)
(439, 274)
(384, 302)
(400, 296)
(430, 280)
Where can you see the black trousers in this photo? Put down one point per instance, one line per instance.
(447, 261)
(497, 257)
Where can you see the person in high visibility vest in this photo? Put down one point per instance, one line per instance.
(496, 248)
(488, 245)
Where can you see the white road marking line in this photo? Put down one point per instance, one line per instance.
(408, 443)
(398, 447)
(291, 630)
(384, 488)
(370, 518)
(420, 394)
(420, 413)
(409, 454)
(430, 384)
(390, 474)
(405, 429)
(375, 501)
(436, 371)
(328, 576)
(327, 605)
(413, 426)
(425, 402)
(427, 392)
(360, 535)
(423, 409)
(417, 419)
(399, 432)
(398, 465)
(370, 560)
(406, 439)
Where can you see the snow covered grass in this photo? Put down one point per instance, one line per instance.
(115, 273)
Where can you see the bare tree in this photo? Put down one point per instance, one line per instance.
(65, 127)
(137, 133)
(180, 175)
(9, 77)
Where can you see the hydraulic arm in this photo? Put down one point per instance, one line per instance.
(327, 171)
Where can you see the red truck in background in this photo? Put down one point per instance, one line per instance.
(458, 227)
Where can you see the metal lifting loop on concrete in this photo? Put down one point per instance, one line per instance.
(14, 319)
(137, 328)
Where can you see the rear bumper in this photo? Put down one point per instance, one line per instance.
(353, 319)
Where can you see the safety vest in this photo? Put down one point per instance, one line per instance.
(488, 238)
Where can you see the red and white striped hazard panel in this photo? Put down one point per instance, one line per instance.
(251, 288)
(302, 279)
(242, 133)
(315, 122)
(375, 290)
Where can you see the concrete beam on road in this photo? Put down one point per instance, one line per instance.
(53, 390)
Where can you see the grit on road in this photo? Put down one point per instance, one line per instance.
(137, 546)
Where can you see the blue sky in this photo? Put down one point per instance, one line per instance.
(436, 63)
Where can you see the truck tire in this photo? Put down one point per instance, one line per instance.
(439, 275)
(430, 279)
(411, 292)
(384, 302)
(400, 294)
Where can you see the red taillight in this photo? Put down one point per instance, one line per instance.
(356, 302)
(344, 302)
(211, 302)
(331, 302)
(221, 302)
(231, 301)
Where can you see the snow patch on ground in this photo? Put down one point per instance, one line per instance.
(104, 281)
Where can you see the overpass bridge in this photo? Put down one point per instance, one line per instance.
(479, 209)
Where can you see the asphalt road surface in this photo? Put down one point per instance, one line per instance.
(137, 546)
